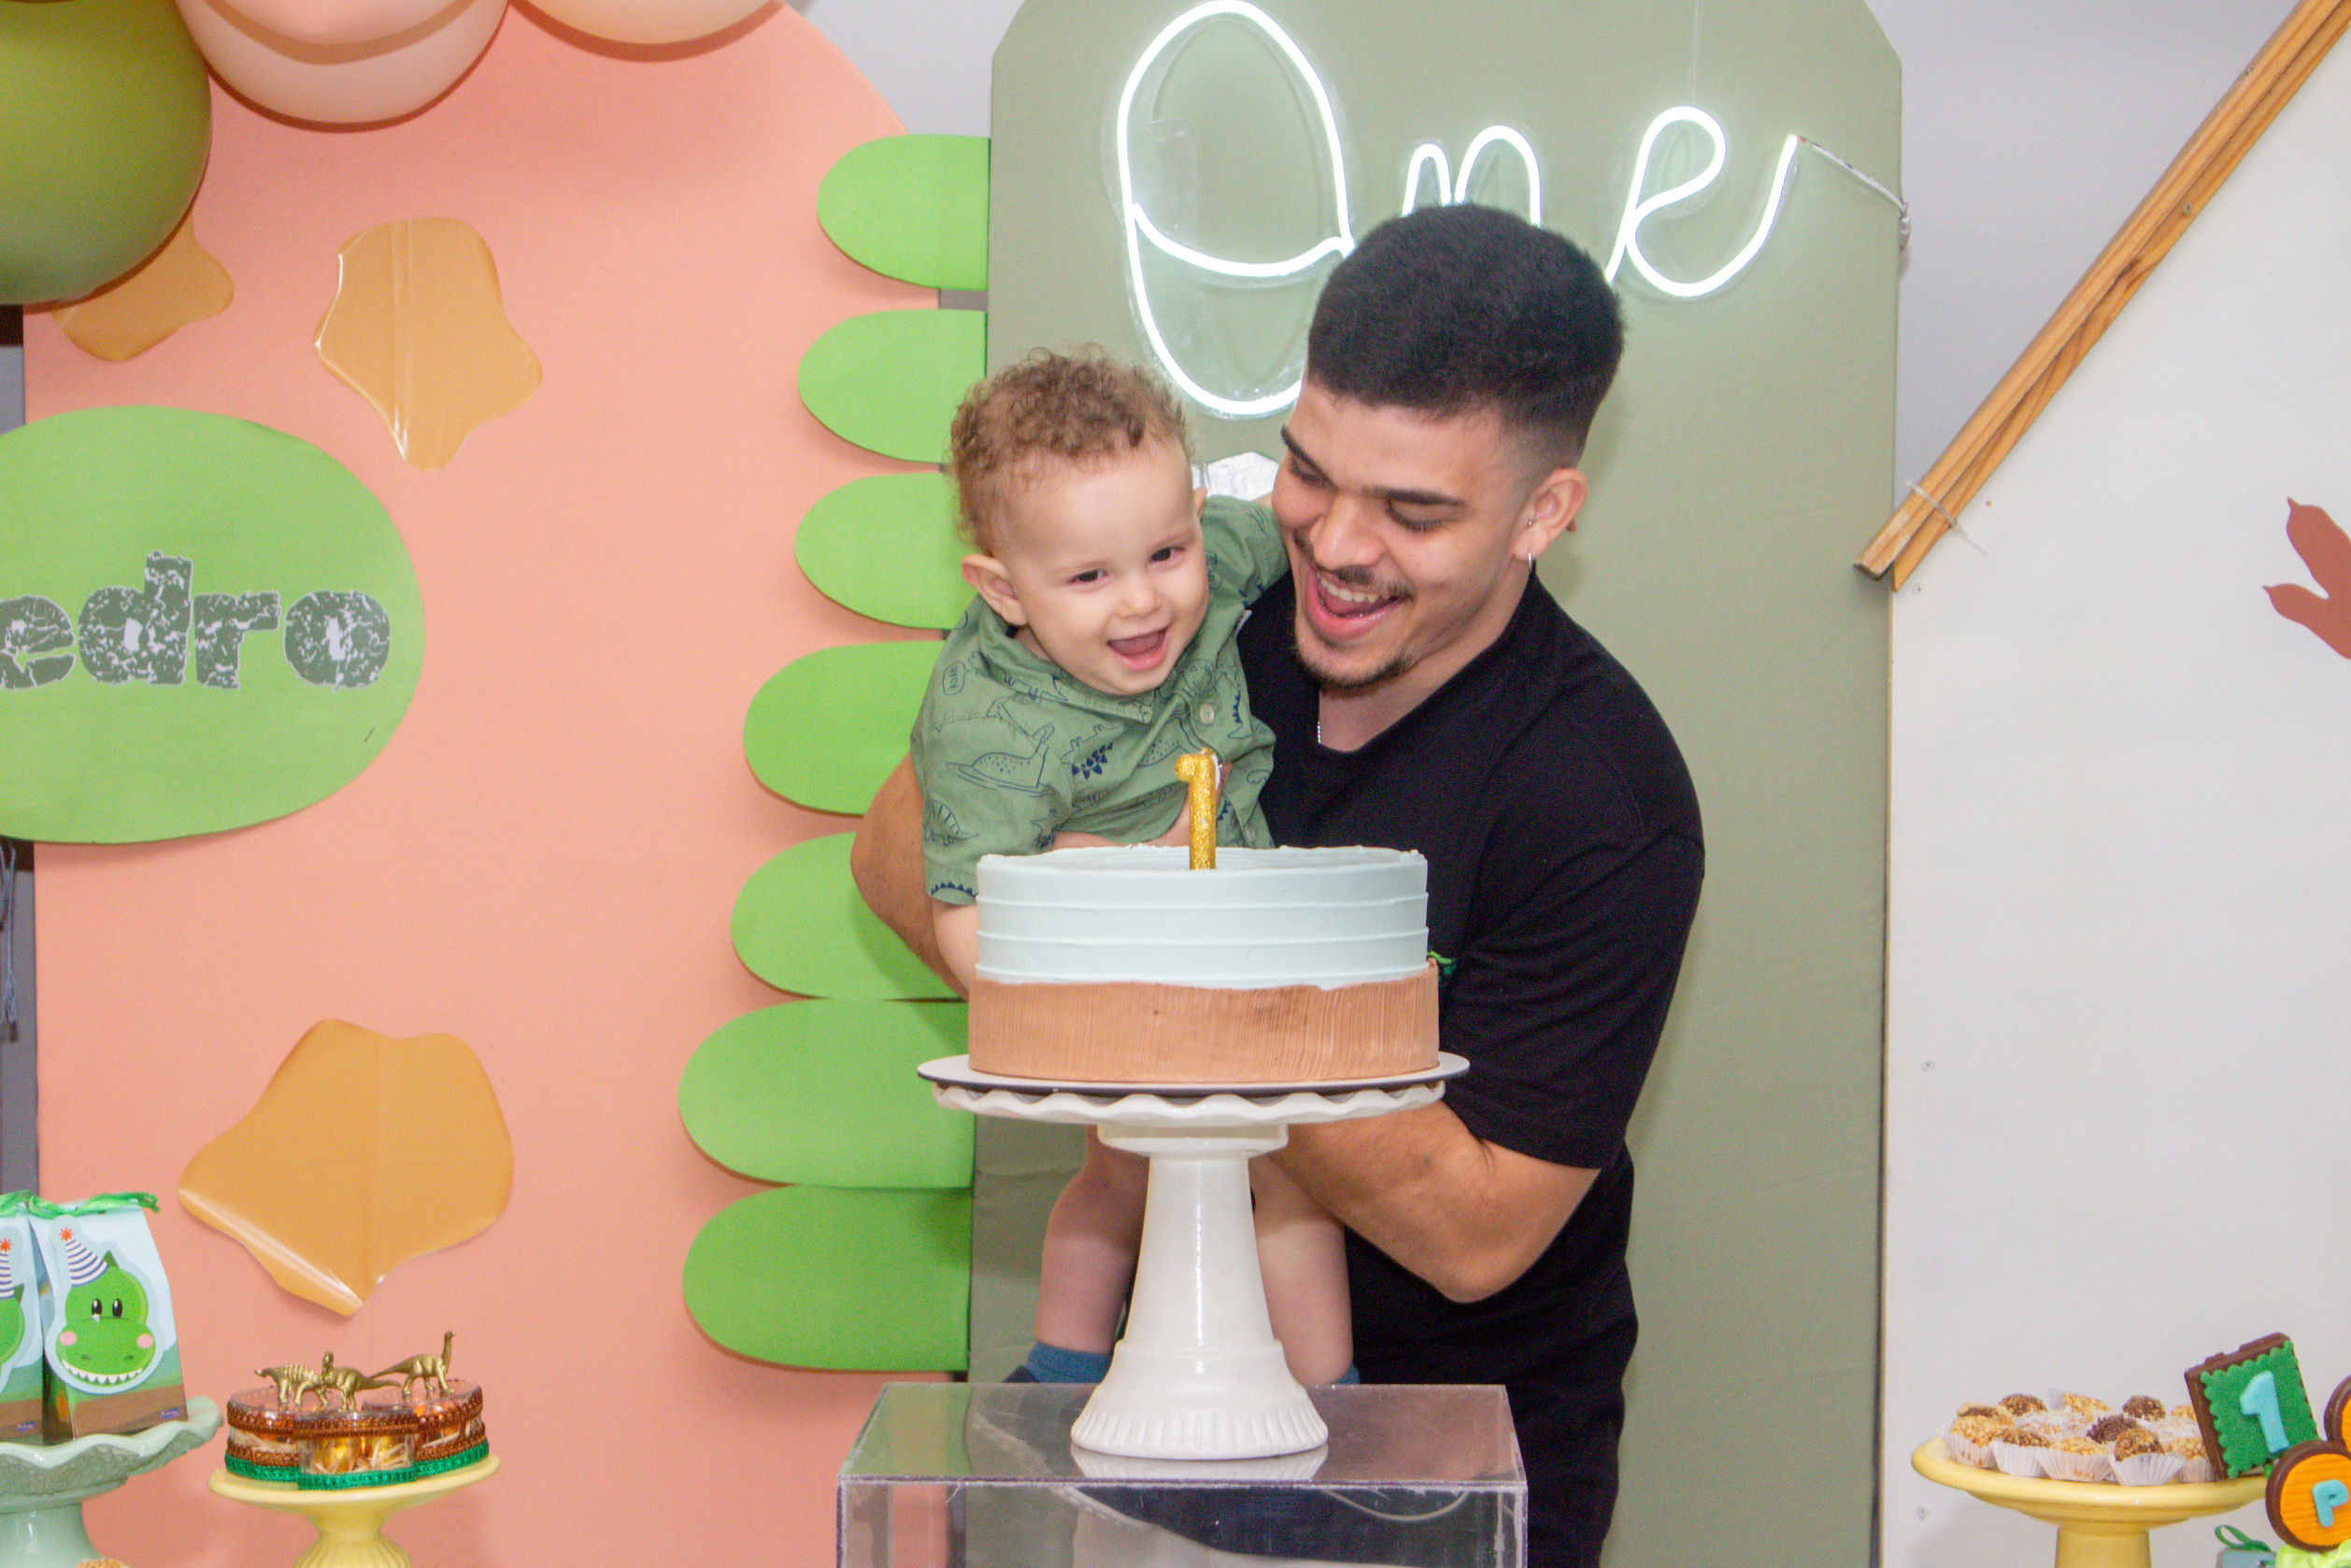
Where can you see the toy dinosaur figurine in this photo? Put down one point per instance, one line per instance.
(431, 1371)
(347, 1381)
(292, 1382)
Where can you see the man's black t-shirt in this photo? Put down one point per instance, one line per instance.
(1564, 857)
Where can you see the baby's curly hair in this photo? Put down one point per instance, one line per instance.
(1077, 407)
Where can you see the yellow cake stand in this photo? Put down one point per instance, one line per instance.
(351, 1520)
(2097, 1526)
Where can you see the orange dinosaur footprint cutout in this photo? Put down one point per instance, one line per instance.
(2326, 549)
(364, 1152)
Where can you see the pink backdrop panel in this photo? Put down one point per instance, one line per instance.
(544, 859)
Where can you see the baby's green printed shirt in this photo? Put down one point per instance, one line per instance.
(1009, 749)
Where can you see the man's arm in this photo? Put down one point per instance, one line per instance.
(1467, 1215)
(886, 862)
(1559, 1007)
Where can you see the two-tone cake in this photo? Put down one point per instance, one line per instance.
(1127, 965)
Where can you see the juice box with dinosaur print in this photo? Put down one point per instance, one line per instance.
(112, 1348)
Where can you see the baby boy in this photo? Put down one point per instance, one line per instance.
(1099, 650)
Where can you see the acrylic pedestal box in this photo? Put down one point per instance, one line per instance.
(983, 1476)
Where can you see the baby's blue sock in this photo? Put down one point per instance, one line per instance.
(1349, 1376)
(1050, 1364)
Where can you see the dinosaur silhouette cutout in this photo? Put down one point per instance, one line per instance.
(2326, 549)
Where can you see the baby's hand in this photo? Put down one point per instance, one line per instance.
(1177, 836)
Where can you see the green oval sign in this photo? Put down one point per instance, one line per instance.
(204, 624)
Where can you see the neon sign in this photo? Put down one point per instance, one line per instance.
(1447, 186)
(1637, 208)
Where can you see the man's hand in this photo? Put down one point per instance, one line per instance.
(1467, 1215)
(886, 862)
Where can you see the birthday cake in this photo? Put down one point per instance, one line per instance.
(1127, 965)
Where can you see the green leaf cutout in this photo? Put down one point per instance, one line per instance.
(874, 1281)
(827, 728)
(825, 1093)
(913, 207)
(886, 546)
(799, 926)
(890, 381)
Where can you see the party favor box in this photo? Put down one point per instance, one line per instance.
(19, 1328)
(112, 1350)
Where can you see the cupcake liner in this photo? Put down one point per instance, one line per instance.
(2060, 1465)
(2194, 1469)
(2016, 1460)
(2147, 1469)
(1968, 1452)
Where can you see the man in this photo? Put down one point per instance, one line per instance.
(1426, 692)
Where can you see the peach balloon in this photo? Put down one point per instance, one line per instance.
(648, 22)
(337, 22)
(343, 84)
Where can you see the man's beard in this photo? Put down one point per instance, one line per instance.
(1338, 683)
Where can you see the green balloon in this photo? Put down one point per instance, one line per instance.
(105, 120)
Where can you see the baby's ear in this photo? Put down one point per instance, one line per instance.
(1199, 500)
(988, 580)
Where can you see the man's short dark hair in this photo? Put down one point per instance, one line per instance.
(1450, 309)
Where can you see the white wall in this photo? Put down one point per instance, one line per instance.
(2115, 984)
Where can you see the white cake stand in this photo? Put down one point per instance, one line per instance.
(1198, 1375)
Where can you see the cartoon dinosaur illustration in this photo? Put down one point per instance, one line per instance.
(292, 1382)
(431, 1371)
(940, 825)
(347, 1381)
(1011, 770)
(103, 1341)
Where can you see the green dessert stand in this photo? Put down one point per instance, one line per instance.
(42, 1488)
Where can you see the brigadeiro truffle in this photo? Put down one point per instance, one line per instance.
(2025, 1437)
(2147, 1407)
(2107, 1428)
(2021, 1404)
(1989, 1412)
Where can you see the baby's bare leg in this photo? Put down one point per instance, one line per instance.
(1089, 1247)
(1302, 1254)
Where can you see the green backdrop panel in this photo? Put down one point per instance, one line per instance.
(826, 1092)
(105, 120)
(827, 728)
(1732, 598)
(799, 926)
(850, 1281)
(886, 546)
(914, 207)
(890, 381)
(204, 624)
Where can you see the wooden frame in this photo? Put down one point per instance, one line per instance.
(2202, 165)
